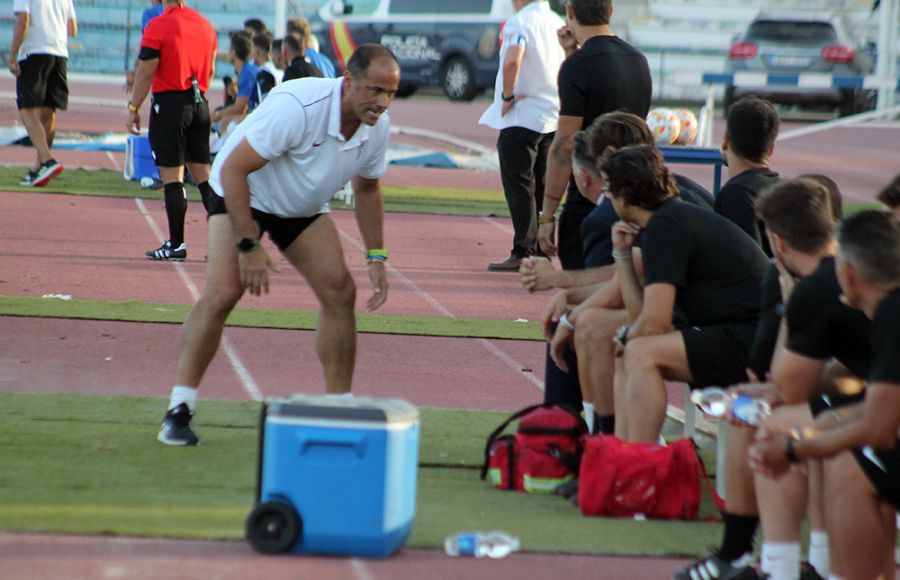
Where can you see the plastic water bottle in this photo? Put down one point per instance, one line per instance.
(719, 403)
(494, 544)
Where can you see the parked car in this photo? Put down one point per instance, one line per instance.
(794, 43)
(450, 43)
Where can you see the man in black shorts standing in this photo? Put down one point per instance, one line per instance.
(602, 73)
(861, 439)
(751, 127)
(693, 259)
(177, 56)
(42, 86)
(274, 174)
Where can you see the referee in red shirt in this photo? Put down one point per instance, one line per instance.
(177, 56)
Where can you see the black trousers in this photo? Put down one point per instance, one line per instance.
(523, 165)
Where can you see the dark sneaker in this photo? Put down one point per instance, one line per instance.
(28, 180)
(713, 566)
(47, 171)
(808, 572)
(511, 264)
(176, 427)
(167, 252)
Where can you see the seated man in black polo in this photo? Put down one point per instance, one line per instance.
(693, 259)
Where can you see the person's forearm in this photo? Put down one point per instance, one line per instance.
(588, 277)
(370, 215)
(631, 288)
(237, 202)
(559, 168)
(606, 295)
(143, 78)
(20, 32)
(510, 75)
(577, 296)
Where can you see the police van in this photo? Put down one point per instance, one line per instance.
(449, 43)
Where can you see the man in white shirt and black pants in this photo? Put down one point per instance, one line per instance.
(41, 31)
(274, 174)
(525, 110)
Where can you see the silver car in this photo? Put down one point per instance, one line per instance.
(792, 43)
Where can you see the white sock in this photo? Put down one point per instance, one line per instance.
(781, 561)
(182, 394)
(588, 415)
(347, 395)
(818, 552)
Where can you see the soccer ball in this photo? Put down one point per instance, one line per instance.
(689, 125)
(664, 125)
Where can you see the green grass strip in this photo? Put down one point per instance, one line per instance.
(90, 464)
(137, 311)
(398, 199)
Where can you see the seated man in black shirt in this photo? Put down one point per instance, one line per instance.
(861, 439)
(693, 259)
(751, 127)
(295, 57)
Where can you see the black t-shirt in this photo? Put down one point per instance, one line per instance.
(735, 201)
(771, 311)
(820, 326)
(299, 69)
(606, 74)
(596, 229)
(716, 268)
(885, 340)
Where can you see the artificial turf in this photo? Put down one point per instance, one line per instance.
(90, 464)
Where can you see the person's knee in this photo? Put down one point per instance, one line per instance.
(339, 291)
(220, 300)
(594, 331)
(640, 357)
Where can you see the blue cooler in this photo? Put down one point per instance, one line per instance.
(139, 162)
(336, 476)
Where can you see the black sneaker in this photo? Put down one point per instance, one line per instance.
(176, 427)
(712, 566)
(47, 171)
(167, 252)
(28, 180)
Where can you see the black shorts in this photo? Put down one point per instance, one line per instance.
(43, 82)
(882, 467)
(179, 129)
(718, 355)
(282, 231)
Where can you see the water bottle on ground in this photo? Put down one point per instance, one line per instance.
(721, 404)
(493, 544)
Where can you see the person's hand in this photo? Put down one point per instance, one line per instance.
(624, 235)
(552, 313)
(134, 122)
(545, 238)
(561, 339)
(537, 274)
(767, 455)
(378, 276)
(506, 106)
(254, 267)
(129, 81)
(566, 39)
(13, 65)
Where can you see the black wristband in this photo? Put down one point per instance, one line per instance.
(508, 99)
(789, 450)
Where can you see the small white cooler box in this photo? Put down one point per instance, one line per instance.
(336, 476)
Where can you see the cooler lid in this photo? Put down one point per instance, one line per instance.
(335, 407)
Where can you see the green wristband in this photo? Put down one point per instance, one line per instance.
(377, 254)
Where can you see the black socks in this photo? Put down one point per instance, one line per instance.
(176, 208)
(738, 535)
(605, 424)
(205, 192)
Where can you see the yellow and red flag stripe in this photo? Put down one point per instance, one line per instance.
(342, 42)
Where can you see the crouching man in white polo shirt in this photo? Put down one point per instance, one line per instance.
(276, 171)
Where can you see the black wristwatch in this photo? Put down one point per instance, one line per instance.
(247, 245)
(508, 99)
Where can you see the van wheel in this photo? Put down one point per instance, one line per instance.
(458, 80)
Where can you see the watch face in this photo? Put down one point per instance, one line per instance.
(246, 244)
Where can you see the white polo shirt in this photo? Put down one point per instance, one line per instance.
(533, 28)
(298, 130)
(48, 28)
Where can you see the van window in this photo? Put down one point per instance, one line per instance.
(440, 7)
(360, 7)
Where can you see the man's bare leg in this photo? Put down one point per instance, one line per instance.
(317, 254)
(48, 120)
(31, 118)
(595, 349)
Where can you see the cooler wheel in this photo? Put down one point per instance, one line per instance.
(273, 527)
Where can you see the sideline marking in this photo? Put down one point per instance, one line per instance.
(237, 364)
(359, 569)
(112, 159)
(505, 229)
(490, 346)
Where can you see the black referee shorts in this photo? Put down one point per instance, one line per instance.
(718, 355)
(283, 231)
(43, 82)
(179, 129)
(882, 467)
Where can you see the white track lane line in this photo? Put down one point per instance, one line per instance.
(112, 159)
(237, 364)
(487, 344)
(359, 570)
(503, 228)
